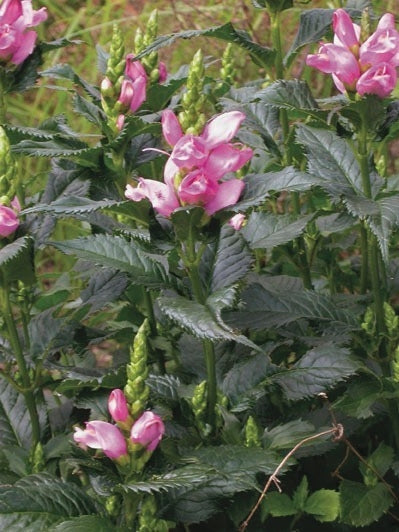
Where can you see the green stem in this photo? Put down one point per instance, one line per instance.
(209, 351)
(376, 268)
(153, 326)
(131, 505)
(364, 266)
(23, 370)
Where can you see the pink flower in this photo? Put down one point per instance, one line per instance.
(379, 80)
(236, 222)
(148, 430)
(161, 196)
(195, 171)
(104, 436)
(16, 44)
(368, 67)
(117, 406)
(8, 221)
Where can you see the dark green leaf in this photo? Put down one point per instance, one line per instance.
(85, 523)
(227, 32)
(288, 435)
(361, 505)
(89, 110)
(380, 460)
(116, 252)
(317, 371)
(16, 261)
(77, 378)
(69, 205)
(268, 230)
(323, 505)
(15, 425)
(313, 25)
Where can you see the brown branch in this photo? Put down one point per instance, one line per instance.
(337, 430)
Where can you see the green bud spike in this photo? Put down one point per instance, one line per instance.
(7, 168)
(368, 324)
(365, 26)
(37, 458)
(148, 521)
(228, 71)
(252, 438)
(391, 320)
(193, 100)
(139, 41)
(136, 390)
(151, 30)
(199, 404)
(116, 61)
(112, 505)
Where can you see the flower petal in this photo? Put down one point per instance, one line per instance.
(222, 128)
(228, 194)
(171, 128)
(226, 158)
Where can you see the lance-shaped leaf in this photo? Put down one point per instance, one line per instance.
(227, 32)
(16, 261)
(69, 205)
(15, 425)
(199, 320)
(266, 307)
(317, 371)
(84, 523)
(37, 501)
(267, 230)
(259, 186)
(232, 261)
(385, 222)
(116, 252)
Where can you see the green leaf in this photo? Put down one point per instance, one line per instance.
(48, 333)
(361, 505)
(260, 54)
(313, 25)
(232, 260)
(37, 501)
(324, 505)
(89, 110)
(291, 95)
(16, 261)
(288, 435)
(164, 387)
(301, 494)
(259, 186)
(198, 320)
(267, 307)
(359, 398)
(317, 371)
(380, 460)
(76, 378)
(107, 286)
(278, 505)
(268, 230)
(116, 252)
(15, 425)
(68, 205)
(85, 523)
(385, 222)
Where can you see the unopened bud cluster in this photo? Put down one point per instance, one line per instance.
(9, 204)
(191, 118)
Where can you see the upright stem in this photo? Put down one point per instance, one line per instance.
(23, 370)
(209, 351)
(153, 326)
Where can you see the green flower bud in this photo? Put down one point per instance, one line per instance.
(148, 521)
(136, 390)
(37, 458)
(395, 365)
(368, 324)
(252, 438)
(193, 100)
(116, 62)
(7, 169)
(139, 41)
(112, 505)
(391, 320)
(227, 72)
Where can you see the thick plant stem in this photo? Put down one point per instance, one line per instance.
(22, 367)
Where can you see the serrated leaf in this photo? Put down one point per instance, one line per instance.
(227, 32)
(259, 186)
(361, 505)
(49, 333)
(16, 261)
(89, 110)
(385, 222)
(15, 425)
(69, 205)
(317, 371)
(270, 307)
(313, 25)
(164, 386)
(41, 500)
(232, 260)
(268, 230)
(65, 71)
(324, 505)
(380, 460)
(301, 494)
(359, 398)
(116, 252)
(291, 95)
(85, 523)
(76, 378)
(104, 288)
(278, 505)
(198, 320)
(288, 435)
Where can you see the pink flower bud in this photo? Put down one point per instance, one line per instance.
(134, 69)
(126, 94)
(171, 128)
(16, 43)
(148, 430)
(104, 436)
(163, 73)
(117, 406)
(8, 221)
(120, 121)
(237, 221)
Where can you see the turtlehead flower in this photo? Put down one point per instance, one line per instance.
(148, 430)
(117, 406)
(16, 41)
(133, 89)
(367, 67)
(195, 171)
(104, 436)
(9, 218)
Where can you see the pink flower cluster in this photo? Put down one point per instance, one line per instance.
(9, 218)
(16, 43)
(194, 172)
(146, 431)
(368, 67)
